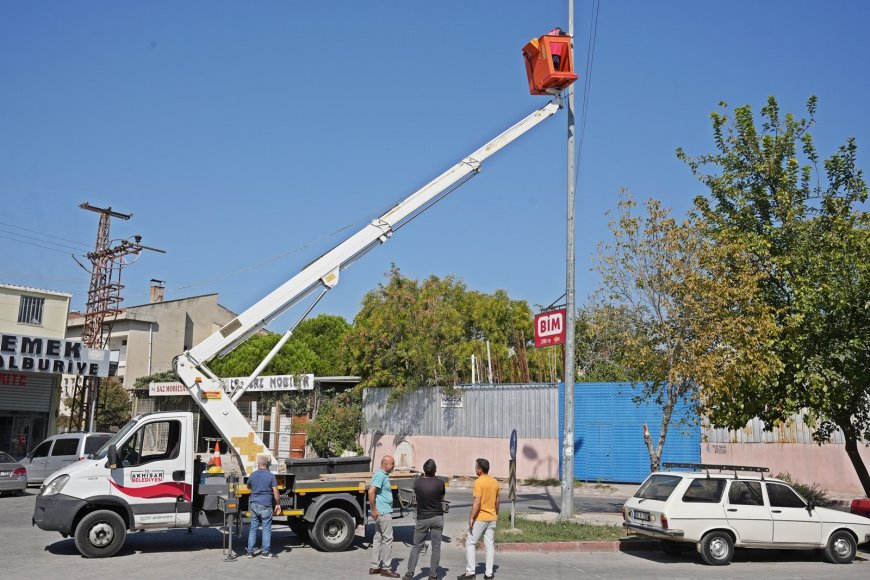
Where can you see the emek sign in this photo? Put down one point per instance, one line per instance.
(550, 328)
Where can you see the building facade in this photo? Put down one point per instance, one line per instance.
(29, 396)
(144, 339)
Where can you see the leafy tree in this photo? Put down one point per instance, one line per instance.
(142, 383)
(678, 322)
(114, 407)
(808, 237)
(409, 334)
(315, 347)
(337, 426)
(599, 349)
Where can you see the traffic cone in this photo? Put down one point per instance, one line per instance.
(216, 458)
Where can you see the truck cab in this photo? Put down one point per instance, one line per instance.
(143, 477)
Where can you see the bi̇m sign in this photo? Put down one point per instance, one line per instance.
(550, 328)
(49, 355)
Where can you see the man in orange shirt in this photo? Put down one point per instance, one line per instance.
(484, 514)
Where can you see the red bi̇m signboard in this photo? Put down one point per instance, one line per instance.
(550, 328)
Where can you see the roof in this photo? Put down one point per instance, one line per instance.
(40, 290)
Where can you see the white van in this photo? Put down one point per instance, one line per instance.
(58, 451)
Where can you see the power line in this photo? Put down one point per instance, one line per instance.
(58, 244)
(43, 234)
(587, 81)
(34, 245)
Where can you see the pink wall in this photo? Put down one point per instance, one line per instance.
(536, 458)
(828, 465)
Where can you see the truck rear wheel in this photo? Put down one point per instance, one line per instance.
(100, 534)
(333, 530)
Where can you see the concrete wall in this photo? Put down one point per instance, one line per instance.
(54, 312)
(149, 336)
(536, 458)
(827, 465)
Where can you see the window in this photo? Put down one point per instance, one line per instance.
(705, 491)
(66, 446)
(153, 442)
(658, 487)
(745, 493)
(30, 310)
(783, 496)
(94, 442)
(41, 450)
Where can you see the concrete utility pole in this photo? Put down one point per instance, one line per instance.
(567, 508)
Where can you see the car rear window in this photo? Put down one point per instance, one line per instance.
(5, 458)
(94, 442)
(658, 487)
(705, 491)
(66, 446)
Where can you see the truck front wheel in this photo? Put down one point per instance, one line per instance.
(100, 534)
(333, 531)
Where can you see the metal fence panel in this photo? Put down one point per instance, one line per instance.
(486, 411)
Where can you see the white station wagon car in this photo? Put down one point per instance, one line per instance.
(726, 509)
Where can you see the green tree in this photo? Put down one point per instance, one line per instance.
(679, 323)
(337, 426)
(599, 337)
(114, 407)
(315, 347)
(409, 334)
(808, 237)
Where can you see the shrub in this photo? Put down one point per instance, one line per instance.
(812, 492)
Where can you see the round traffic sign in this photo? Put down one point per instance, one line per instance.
(513, 444)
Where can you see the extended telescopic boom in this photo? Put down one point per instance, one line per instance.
(323, 273)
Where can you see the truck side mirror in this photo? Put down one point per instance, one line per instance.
(112, 457)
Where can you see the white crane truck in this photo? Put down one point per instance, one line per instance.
(147, 476)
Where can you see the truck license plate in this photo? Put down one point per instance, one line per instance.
(641, 516)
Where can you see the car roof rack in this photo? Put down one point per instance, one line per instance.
(708, 466)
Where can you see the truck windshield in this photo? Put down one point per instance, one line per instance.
(102, 451)
(658, 487)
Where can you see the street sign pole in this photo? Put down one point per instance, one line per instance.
(512, 479)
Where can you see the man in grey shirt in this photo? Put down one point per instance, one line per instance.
(430, 519)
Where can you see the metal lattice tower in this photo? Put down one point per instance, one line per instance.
(103, 305)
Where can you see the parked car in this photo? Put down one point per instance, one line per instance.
(58, 451)
(860, 507)
(13, 476)
(723, 507)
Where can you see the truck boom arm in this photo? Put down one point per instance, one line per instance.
(323, 273)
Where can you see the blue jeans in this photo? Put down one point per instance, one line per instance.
(260, 514)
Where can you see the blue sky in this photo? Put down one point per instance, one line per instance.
(237, 132)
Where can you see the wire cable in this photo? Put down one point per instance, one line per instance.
(587, 82)
(43, 234)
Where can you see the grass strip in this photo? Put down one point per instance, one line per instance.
(533, 531)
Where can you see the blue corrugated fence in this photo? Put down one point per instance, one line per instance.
(608, 433)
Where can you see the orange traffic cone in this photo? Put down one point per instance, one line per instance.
(216, 458)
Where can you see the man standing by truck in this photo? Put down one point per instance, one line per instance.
(381, 500)
(264, 489)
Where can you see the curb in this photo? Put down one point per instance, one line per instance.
(591, 547)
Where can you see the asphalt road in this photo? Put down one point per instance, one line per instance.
(29, 552)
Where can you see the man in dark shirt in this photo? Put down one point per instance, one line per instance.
(264, 489)
(430, 519)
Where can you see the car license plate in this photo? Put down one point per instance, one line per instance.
(4, 473)
(641, 515)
